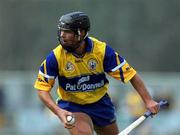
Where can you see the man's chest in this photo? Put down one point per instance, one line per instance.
(73, 66)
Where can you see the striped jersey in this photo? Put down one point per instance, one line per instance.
(83, 80)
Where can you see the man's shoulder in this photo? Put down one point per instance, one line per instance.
(97, 41)
(99, 47)
(57, 48)
(57, 51)
(98, 44)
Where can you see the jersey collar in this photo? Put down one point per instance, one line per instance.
(89, 44)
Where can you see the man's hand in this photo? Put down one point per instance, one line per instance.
(62, 115)
(139, 86)
(152, 106)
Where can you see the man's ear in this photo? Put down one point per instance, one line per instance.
(83, 33)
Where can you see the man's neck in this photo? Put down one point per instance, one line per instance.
(81, 50)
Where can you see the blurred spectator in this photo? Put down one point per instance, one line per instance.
(114, 93)
(2, 108)
(168, 122)
(135, 104)
(136, 109)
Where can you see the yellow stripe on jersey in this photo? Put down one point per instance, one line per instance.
(83, 98)
(117, 58)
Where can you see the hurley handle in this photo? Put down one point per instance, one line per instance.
(162, 103)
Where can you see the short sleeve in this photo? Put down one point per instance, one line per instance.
(48, 71)
(116, 66)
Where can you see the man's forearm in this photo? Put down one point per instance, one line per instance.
(48, 101)
(138, 84)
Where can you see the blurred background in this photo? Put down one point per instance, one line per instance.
(145, 32)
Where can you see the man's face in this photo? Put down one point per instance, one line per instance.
(68, 36)
(69, 40)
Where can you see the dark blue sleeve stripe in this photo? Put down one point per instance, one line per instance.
(42, 68)
(121, 71)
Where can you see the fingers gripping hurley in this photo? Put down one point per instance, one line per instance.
(70, 119)
(127, 130)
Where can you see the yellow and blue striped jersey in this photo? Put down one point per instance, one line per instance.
(83, 80)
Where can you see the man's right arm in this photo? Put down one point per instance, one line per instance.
(49, 102)
(48, 71)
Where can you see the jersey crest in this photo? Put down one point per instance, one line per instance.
(92, 64)
(69, 66)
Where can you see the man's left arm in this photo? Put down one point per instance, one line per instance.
(138, 84)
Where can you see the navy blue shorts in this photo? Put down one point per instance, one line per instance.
(101, 112)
